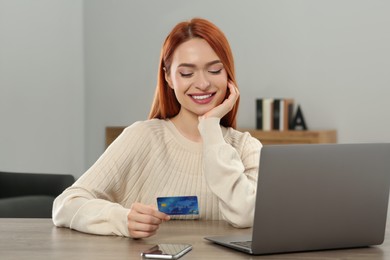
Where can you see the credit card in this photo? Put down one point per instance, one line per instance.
(179, 205)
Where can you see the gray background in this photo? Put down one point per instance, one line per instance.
(69, 68)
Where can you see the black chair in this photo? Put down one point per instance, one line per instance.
(30, 195)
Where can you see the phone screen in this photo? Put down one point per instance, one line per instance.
(167, 251)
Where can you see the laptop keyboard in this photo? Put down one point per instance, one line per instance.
(247, 244)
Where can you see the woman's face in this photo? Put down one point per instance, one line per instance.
(197, 77)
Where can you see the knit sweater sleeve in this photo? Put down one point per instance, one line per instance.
(231, 174)
(91, 204)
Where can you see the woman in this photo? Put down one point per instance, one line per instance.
(187, 147)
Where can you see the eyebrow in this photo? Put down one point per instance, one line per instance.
(193, 65)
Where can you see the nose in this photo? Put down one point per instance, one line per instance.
(201, 81)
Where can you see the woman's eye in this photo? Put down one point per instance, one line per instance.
(215, 71)
(186, 75)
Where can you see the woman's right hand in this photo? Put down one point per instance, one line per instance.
(227, 105)
(144, 220)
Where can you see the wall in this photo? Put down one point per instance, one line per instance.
(41, 86)
(331, 56)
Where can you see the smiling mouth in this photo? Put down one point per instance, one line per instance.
(202, 97)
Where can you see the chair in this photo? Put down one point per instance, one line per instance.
(30, 195)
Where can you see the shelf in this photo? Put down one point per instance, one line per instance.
(112, 132)
(293, 137)
(265, 137)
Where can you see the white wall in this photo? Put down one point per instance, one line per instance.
(41, 86)
(331, 56)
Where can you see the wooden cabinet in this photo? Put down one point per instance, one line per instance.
(293, 137)
(265, 137)
(112, 132)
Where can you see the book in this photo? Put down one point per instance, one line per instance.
(267, 114)
(274, 114)
(282, 116)
(288, 111)
(259, 114)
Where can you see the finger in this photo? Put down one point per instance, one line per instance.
(232, 86)
(237, 91)
(234, 93)
(145, 219)
(139, 226)
(137, 229)
(232, 98)
(151, 211)
(160, 215)
(141, 234)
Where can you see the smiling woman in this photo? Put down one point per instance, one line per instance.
(199, 81)
(187, 147)
(213, 43)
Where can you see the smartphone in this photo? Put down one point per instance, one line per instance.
(167, 251)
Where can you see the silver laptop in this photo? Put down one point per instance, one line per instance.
(318, 196)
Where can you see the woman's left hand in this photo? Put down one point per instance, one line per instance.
(227, 105)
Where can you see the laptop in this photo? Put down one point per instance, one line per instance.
(316, 197)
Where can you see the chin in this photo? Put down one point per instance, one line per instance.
(203, 111)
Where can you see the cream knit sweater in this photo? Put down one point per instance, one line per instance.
(152, 159)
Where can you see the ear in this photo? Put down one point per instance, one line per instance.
(168, 78)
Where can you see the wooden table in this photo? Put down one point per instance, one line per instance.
(39, 239)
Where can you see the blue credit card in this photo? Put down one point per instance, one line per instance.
(179, 205)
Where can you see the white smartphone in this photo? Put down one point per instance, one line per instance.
(167, 251)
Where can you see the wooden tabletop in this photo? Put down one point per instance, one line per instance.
(35, 239)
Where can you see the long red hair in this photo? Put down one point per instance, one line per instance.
(165, 104)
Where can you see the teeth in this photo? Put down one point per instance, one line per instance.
(202, 97)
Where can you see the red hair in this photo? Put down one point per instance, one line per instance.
(165, 104)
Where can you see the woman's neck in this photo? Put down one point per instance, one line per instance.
(187, 125)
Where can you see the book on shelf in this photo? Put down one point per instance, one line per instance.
(274, 113)
(259, 113)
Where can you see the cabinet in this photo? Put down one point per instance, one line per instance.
(112, 132)
(293, 137)
(265, 137)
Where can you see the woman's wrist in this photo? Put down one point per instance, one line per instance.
(210, 130)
